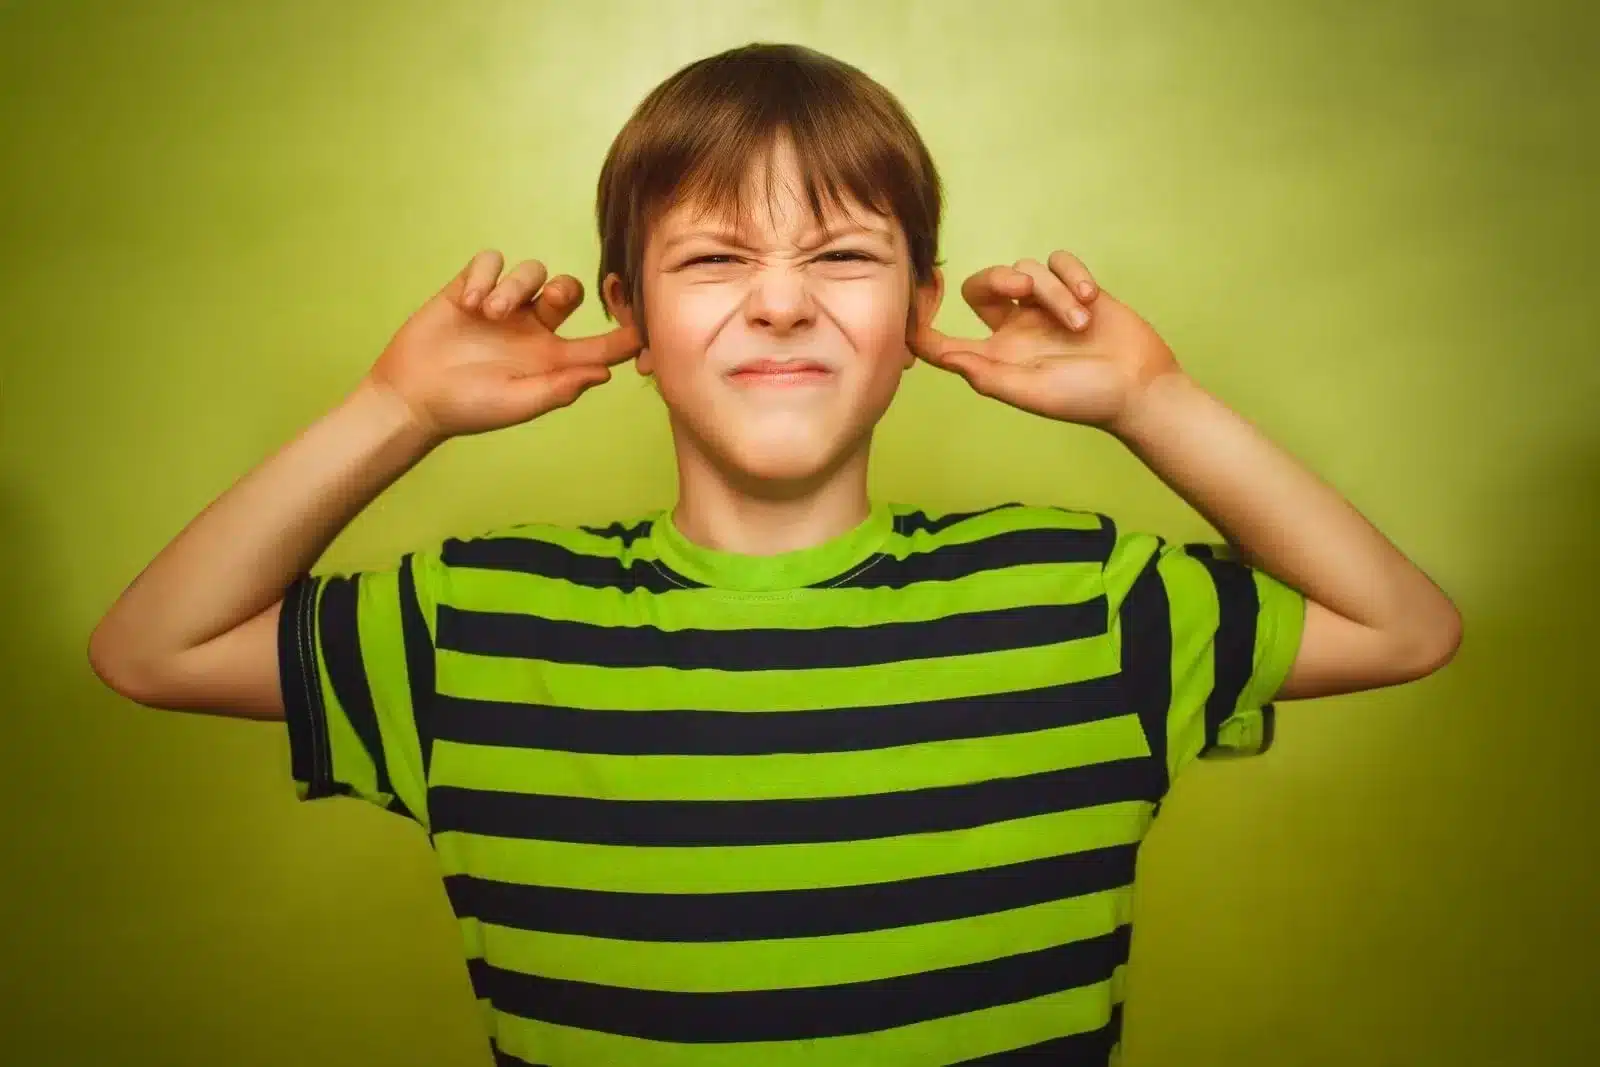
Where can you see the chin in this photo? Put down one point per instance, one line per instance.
(798, 462)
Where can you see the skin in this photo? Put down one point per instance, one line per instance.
(770, 467)
(763, 468)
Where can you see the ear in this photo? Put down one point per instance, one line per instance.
(615, 295)
(925, 301)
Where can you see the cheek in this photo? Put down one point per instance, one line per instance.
(873, 317)
(682, 329)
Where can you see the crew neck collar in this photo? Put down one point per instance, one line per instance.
(737, 572)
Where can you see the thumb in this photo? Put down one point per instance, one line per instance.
(929, 344)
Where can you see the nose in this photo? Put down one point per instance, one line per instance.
(779, 300)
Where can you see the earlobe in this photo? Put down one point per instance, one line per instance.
(927, 297)
(925, 300)
(615, 295)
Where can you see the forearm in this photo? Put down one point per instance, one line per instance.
(1286, 520)
(240, 554)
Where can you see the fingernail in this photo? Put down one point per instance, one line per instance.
(496, 306)
(1086, 288)
(1080, 318)
(470, 297)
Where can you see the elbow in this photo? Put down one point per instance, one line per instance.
(1436, 644)
(118, 671)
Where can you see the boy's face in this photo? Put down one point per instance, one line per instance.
(777, 349)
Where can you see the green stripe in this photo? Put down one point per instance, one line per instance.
(351, 764)
(1194, 614)
(383, 654)
(756, 868)
(1027, 584)
(784, 776)
(647, 688)
(576, 540)
(1280, 627)
(998, 521)
(720, 966)
(957, 1037)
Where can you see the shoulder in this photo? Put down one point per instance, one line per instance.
(911, 521)
(1007, 536)
(568, 552)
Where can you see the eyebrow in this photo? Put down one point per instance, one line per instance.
(730, 237)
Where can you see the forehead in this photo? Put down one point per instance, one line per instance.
(771, 201)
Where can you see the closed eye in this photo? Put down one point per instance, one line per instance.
(839, 256)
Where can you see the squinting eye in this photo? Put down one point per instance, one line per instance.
(846, 255)
(713, 259)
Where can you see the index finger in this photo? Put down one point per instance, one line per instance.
(993, 292)
(618, 346)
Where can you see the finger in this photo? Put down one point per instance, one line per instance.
(515, 289)
(1074, 275)
(479, 276)
(988, 377)
(604, 350)
(934, 347)
(558, 299)
(1051, 293)
(560, 388)
(994, 291)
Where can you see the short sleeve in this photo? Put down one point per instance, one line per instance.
(1206, 642)
(356, 666)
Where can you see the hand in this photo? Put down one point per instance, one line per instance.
(483, 354)
(1083, 358)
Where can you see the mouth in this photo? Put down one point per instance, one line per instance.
(774, 372)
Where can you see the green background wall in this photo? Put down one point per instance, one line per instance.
(1371, 227)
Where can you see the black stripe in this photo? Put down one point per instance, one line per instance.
(690, 823)
(1269, 726)
(911, 522)
(1014, 548)
(506, 1059)
(347, 674)
(1235, 642)
(1147, 663)
(419, 661)
(299, 684)
(621, 531)
(751, 733)
(778, 914)
(527, 555)
(530, 637)
(1089, 1049)
(804, 1013)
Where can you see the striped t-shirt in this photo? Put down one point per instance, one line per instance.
(875, 802)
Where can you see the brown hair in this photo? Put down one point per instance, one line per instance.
(696, 135)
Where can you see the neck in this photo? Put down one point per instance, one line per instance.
(731, 512)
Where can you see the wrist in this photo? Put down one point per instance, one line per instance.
(383, 414)
(1151, 407)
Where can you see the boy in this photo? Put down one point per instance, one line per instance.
(784, 775)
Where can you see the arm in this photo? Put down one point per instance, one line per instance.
(197, 630)
(1372, 617)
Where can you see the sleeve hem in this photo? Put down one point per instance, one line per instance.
(1278, 655)
(300, 682)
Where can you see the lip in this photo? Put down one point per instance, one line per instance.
(780, 372)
